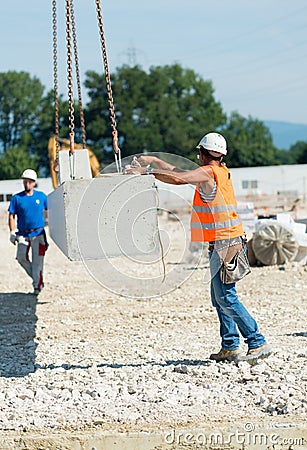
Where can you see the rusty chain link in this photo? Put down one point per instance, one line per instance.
(55, 75)
(108, 82)
(74, 35)
(70, 78)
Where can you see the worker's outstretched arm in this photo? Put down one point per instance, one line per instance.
(159, 163)
(200, 175)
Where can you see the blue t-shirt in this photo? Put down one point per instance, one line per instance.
(29, 210)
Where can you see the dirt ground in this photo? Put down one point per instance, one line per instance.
(80, 357)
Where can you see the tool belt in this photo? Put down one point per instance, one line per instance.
(228, 251)
(36, 229)
(31, 230)
(234, 261)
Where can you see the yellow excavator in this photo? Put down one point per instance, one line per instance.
(65, 146)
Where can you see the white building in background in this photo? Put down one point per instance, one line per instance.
(288, 181)
(249, 183)
(10, 187)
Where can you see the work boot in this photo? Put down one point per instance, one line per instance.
(260, 352)
(226, 355)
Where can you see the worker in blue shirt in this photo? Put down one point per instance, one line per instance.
(29, 206)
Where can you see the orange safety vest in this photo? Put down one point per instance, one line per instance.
(216, 220)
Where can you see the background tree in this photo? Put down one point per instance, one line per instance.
(249, 142)
(97, 117)
(14, 161)
(285, 157)
(163, 110)
(20, 97)
(44, 128)
(299, 152)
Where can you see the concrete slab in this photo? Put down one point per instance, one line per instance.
(108, 216)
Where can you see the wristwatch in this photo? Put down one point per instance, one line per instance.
(149, 170)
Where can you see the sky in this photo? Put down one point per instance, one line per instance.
(253, 52)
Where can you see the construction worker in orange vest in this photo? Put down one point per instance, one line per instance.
(214, 220)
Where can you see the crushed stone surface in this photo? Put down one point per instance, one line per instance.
(81, 356)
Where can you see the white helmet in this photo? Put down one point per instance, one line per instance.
(215, 143)
(29, 173)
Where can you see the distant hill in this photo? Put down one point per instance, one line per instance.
(286, 134)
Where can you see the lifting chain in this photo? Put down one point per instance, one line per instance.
(69, 78)
(109, 88)
(55, 75)
(74, 35)
(71, 37)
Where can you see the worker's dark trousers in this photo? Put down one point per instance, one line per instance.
(35, 266)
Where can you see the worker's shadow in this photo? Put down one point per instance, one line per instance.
(17, 332)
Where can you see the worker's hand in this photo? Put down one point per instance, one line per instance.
(134, 170)
(13, 238)
(146, 160)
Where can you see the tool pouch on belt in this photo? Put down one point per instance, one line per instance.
(235, 269)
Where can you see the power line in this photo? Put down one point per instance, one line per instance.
(229, 41)
(277, 89)
(261, 58)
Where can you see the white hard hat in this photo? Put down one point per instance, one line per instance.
(29, 173)
(215, 143)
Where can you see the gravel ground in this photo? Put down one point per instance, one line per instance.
(80, 356)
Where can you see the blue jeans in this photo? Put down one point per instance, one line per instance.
(232, 314)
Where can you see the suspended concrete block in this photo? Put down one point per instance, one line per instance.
(107, 216)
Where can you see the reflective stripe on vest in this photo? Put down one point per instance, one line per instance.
(212, 209)
(217, 219)
(216, 225)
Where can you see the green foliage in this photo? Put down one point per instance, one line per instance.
(45, 128)
(163, 110)
(249, 142)
(14, 161)
(20, 97)
(285, 157)
(166, 109)
(97, 117)
(299, 152)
